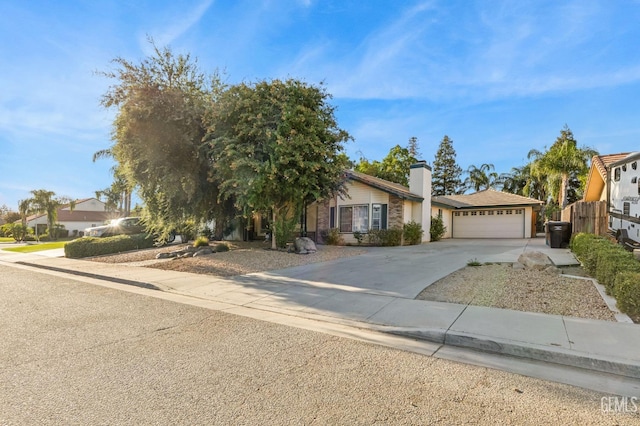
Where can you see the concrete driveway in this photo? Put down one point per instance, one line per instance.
(406, 271)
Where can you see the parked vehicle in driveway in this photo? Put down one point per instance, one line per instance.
(121, 226)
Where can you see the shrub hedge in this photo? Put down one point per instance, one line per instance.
(385, 237)
(91, 246)
(613, 267)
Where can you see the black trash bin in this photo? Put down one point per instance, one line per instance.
(558, 234)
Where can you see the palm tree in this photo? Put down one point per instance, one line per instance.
(562, 161)
(24, 208)
(120, 190)
(483, 177)
(43, 202)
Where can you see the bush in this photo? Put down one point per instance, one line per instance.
(201, 242)
(332, 237)
(385, 237)
(612, 260)
(612, 266)
(359, 236)
(91, 246)
(437, 228)
(627, 292)
(412, 232)
(284, 229)
(221, 247)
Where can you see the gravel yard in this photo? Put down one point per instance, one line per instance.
(496, 285)
(501, 286)
(243, 258)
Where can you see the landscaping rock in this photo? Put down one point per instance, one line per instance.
(517, 265)
(535, 260)
(165, 255)
(204, 251)
(304, 245)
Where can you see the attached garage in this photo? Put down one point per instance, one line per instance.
(486, 214)
(505, 223)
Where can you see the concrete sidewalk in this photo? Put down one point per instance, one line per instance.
(316, 292)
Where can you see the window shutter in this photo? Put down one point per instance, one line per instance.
(383, 217)
(332, 217)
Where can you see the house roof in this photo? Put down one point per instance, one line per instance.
(485, 198)
(77, 216)
(598, 174)
(384, 185)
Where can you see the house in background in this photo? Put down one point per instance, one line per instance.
(87, 213)
(596, 187)
(374, 203)
(487, 214)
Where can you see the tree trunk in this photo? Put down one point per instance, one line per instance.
(562, 202)
(274, 246)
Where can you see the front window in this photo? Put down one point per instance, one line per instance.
(616, 174)
(376, 216)
(354, 218)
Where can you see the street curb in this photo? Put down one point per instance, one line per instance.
(562, 356)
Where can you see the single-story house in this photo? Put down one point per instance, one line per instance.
(373, 203)
(487, 214)
(596, 187)
(87, 213)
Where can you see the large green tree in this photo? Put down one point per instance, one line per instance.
(563, 163)
(275, 146)
(394, 167)
(157, 136)
(446, 172)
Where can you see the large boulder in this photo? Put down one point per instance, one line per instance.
(535, 260)
(304, 245)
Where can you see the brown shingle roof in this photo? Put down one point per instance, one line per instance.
(384, 185)
(486, 198)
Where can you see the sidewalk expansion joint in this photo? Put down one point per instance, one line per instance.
(90, 275)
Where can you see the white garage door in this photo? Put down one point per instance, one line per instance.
(498, 223)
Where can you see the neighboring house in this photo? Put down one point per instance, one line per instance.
(374, 203)
(487, 214)
(596, 187)
(87, 213)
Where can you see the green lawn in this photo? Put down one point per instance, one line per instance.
(37, 247)
(6, 240)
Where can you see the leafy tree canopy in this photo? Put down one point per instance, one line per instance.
(395, 166)
(275, 145)
(157, 136)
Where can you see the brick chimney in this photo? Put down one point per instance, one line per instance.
(420, 184)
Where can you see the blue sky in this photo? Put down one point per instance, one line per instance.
(498, 77)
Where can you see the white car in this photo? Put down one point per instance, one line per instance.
(121, 226)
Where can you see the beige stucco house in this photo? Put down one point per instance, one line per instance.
(373, 203)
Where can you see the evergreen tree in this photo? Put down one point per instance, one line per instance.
(446, 172)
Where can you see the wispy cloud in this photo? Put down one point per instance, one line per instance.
(486, 51)
(175, 26)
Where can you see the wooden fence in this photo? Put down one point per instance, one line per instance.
(587, 216)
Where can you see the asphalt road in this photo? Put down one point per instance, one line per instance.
(76, 353)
